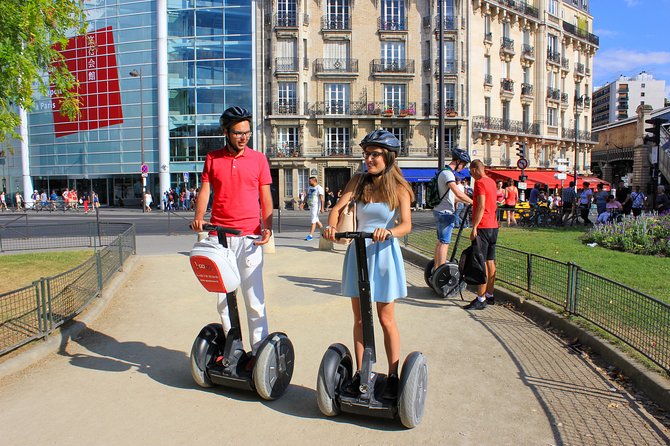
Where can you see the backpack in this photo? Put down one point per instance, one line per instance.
(433, 197)
(472, 265)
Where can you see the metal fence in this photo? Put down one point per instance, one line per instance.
(35, 311)
(639, 320)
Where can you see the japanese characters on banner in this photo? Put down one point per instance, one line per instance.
(91, 58)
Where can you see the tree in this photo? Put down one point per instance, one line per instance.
(31, 34)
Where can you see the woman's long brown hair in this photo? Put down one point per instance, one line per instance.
(387, 189)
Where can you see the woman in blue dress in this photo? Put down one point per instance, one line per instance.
(382, 196)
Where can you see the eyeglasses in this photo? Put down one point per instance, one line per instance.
(240, 135)
(373, 155)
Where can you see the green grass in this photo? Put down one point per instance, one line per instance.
(19, 270)
(647, 274)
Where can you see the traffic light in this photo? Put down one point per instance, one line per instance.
(521, 149)
(655, 130)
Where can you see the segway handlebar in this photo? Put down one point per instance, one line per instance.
(220, 229)
(356, 234)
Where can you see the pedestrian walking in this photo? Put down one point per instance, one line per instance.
(315, 201)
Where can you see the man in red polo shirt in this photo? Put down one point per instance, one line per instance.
(484, 231)
(240, 179)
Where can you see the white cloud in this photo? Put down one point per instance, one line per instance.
(605, 32)
(631, 3)
(611, 63)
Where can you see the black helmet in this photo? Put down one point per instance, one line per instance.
(381, 138)
(460, 155)
(233, 115)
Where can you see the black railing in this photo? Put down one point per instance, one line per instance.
(582, 34)
(507, 85)
(579, 68)
(521, 6)
(285, 20)
(286, 64)
(396, 66)
(526, 89)
(565, 63)
(507, 44)
(448, 23)
(336, 22)
(569, 134)
(450, 66)
(386, 109)
(587, 101)
(286, 107)
(488, 37)
(333, 107)
(553, 93)
(488, 79)
(508, 125)
(528, 51)
(284, 151)
(565, 98)
(392, 24)
(341, 149)
(334, 65)
(553, 56)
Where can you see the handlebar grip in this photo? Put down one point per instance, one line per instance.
(353, 234)
(222, 229)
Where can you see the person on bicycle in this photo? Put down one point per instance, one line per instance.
(240, 179)
(445, 212)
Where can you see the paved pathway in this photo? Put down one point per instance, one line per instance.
(496, 378)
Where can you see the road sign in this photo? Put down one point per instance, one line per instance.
(522, 163)
(561, 176)
(144, 168)
(144, 175)
(186, 177)
(562, 168)
(523, 186)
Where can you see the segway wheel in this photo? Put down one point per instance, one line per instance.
(206, 348)
(445, 279)
(428, 272)
(412, 390)
(335, 368)
(274, 366)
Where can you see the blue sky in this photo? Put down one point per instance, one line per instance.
(633, 38)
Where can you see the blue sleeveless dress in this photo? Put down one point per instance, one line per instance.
(385, 263)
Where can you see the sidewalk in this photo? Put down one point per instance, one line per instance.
(495, 377)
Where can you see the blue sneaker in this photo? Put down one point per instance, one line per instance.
(309, 238)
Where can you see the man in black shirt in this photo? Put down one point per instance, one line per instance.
(623, 197)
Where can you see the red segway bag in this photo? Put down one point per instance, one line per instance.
(215, 267)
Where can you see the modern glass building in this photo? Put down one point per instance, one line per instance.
(154, 77)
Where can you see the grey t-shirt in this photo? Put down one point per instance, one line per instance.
(447, 204)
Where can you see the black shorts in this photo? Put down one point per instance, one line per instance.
(486, 242)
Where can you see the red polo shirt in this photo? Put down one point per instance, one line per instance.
(236, 183)
(487, 187)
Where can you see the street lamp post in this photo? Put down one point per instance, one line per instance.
(136, 73)
(577, 100)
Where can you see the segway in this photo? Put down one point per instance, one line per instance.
(335, 387)
(219, 359)
(445, 280)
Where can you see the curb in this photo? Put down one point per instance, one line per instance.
(38, 349)
(655, 386)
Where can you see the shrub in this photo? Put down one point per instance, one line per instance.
(646, 236)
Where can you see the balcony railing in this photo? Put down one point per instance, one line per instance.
(579, 68)
(521, 6)
(528, 51)
(449, 108)
(553, 93)
(286, 64)
(285, 20)
(565, 63)
(284, 151)
(507, 44)
(395, 66)
(448, 23)
(341, 149)
(488, 79)
(488, 37)
(569, 134)
(565, 98)
(506, 125)
(392, 24)
(361, 108)
(507, 85)
(336, 22)
(582, 34)
(587, 101)
(285, 107)
(391, 110)
(450, 66)
(333, 65)
(553, 56)
(526, 89)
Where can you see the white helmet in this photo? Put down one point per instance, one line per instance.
(215, 267)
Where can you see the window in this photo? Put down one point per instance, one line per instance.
(488, 36)
(487, 65)
(393, 54)
(505, 115)
(337, 99)
(286, 97)
(288, 182)
(642, 85)
(450, 137)
(487, 107)
(552, 44)
(450, 96)
(552, 117)
(505, 29)
(642, 93)
(449, 56)
(336, 56)
(337, 141)
(287, 141)
(526, 75)
(303, 180)
(553, 7)
(393, 15)
(337, 14)
(526, 118)
(526, 37)
(287, 13)
(394, 97)
(398, 132)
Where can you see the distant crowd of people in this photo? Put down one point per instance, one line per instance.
(68, 199)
